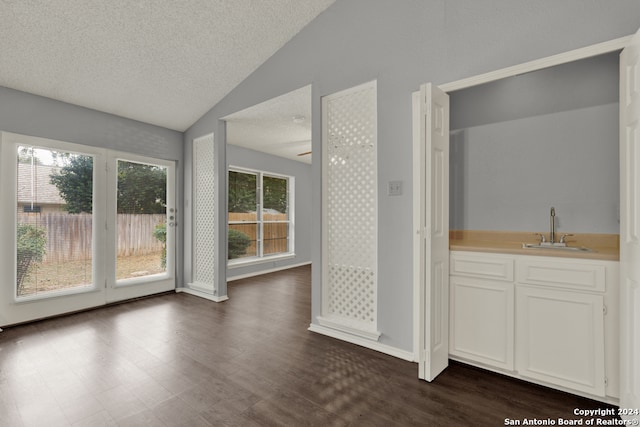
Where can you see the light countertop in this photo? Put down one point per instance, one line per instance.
(603, 246)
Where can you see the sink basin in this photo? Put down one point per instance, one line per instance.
(558, 248)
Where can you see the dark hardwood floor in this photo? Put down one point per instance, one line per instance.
(178, 360)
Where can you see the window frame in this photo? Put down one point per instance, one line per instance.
(260, 256)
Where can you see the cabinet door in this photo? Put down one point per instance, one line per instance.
(481, 325)
(561, 338)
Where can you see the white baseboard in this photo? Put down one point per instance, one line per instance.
(271, 270)
(373, 345)
(358, 329)
(201, 294)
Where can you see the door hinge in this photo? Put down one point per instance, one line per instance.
(105, 283)
(604, 310)
(606, 381)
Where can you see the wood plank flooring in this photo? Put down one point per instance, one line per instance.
(179, 360)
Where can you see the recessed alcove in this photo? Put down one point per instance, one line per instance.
(522, 144)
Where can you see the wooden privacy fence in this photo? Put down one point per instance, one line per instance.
(69, 235)
(275, 234)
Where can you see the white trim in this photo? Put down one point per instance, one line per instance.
(538, 64)
(134, 287)
(418, 163)
(260, 222)
(350, 327)
(261, 272)
(201, 294)
(15, 309)
(362, 342)
(245, 262)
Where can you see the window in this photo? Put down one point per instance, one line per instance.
(260, 215)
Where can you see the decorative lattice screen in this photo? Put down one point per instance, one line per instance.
(350, 202)
(204, 208)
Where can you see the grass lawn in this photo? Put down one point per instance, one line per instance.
(53, 276)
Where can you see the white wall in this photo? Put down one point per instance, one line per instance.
(548, 138)
(507, 176)
(403, 44)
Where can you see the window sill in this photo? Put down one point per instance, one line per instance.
(255, 261)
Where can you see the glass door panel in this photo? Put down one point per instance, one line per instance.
(51, 256)
(141, 224)
(54, 221)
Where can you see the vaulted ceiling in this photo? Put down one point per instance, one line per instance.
(280, 126)
(164, 62)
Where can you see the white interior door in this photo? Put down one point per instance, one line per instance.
(630, 226)
(434, 138)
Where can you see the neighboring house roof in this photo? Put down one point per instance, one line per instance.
(42, 192)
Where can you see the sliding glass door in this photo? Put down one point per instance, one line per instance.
(82, 226)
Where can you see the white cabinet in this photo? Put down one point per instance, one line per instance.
(561, 338)
(547, 320)
(481, 298)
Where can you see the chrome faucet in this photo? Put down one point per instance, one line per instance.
(552, 232)
(551, 243)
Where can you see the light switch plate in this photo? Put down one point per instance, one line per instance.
(394, 188)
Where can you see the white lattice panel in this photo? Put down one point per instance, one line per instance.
(204, 207)
(351, 205)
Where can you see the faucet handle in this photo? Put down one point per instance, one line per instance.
(542, 238)
(562, 238)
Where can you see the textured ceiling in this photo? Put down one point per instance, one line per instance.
(270, 126)
(164, 62)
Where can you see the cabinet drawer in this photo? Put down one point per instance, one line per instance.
(484, 266)
(562, 274)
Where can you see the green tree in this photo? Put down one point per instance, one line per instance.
(242, 192)
(274, 193)
(25, 155)
(75, 184)
(142, 189)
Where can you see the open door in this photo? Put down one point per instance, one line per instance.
(434, 230)
(630, 226)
